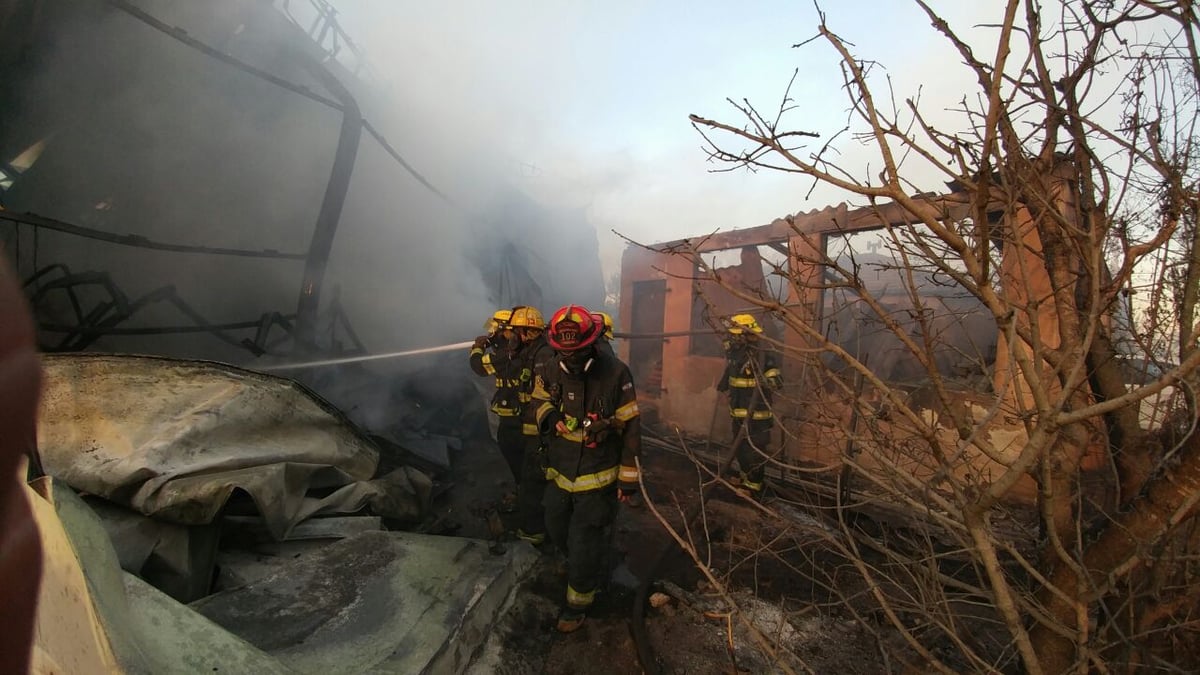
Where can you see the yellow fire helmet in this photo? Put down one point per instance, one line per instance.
(497, 321)
(742, 323)
(608, 325)
(526, 317)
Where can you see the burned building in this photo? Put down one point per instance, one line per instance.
(840, 274)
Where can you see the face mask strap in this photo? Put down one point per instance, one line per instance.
(562, 363)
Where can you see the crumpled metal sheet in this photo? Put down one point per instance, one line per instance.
(93, 618)
(173, 439)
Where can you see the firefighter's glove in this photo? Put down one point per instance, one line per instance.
(481, 342)
(596, 429)
(774, 383)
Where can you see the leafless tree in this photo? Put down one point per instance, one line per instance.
(1071, 226)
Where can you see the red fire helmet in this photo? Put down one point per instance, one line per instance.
(572, 328)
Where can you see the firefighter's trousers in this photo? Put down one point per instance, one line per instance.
(580, 523)
(751, 461)
(530, 510)
(511, 440)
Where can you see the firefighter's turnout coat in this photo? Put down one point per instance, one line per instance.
(507, 367)
(579, 461)
(513, 372)
(751, 373)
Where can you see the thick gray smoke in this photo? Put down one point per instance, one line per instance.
(150, 137)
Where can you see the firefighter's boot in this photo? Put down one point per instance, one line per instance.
(570, 620)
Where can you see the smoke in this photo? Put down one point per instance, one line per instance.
(548, 126)
(585, 105)
(155, 139)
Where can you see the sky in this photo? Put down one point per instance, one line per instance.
(586, 104)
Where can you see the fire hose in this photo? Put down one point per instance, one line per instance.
(457, 345)
(366, 357)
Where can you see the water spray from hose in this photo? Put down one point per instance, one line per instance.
(367, 357)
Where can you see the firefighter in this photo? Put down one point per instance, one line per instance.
(585, 403)
(495, 354)
(605, 344)
(533, 355)
(751, 375)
